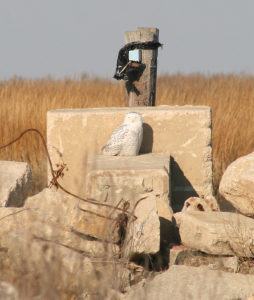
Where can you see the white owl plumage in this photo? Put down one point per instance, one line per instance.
(127, 138)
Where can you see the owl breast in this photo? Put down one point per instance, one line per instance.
(127, 138)
(132, 143)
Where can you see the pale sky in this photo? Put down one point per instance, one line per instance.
(66, 38)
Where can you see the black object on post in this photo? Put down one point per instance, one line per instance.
(137, 64)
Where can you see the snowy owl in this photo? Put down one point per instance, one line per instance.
(127, 138)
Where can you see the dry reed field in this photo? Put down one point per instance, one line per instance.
(24, 104)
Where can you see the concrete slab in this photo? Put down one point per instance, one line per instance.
(219, 233)
(110, 178)
(184, 132)
(191, 283)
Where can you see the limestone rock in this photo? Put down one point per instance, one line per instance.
(208, 203)
(191, 283)
(58, 206)
(143, 234)
(218, 233)
(113, 274)
(13, 218)
(237, 184)
(178, 253)
(104, 293)
(16, 182)
(83, 217)
(8, 291)
(27, 255)
(60, 235)
(103, 223)
(231, 264)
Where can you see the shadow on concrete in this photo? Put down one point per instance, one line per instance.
(147, 143)
(181, 188)
(177, 236)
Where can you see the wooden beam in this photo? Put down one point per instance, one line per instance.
(141, 86)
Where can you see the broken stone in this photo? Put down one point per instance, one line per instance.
(96, 221)
(112, 273)
(178, 253)
(143, 233)
(184, 282)
(105, 294)
(201, 204)
(215, 266)
(231, 264)
(237, 184)
(59, 235)
(122, 180)
(218, 233)
(21, 218)
(103, 223)
(16, 182)
(33, 255)
(58, 206)
(8, 291)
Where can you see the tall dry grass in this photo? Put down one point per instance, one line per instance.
(24, 103)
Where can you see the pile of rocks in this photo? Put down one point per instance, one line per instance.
(86, 241)
(56, 237)
(224, 237)
(223, 233)
(81, 240)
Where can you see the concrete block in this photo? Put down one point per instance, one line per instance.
(111, 178)
(184, 132)
(219, 233)
(16, 182)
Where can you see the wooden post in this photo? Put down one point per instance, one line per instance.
(141, 86)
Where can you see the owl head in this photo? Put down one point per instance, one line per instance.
(133, 117)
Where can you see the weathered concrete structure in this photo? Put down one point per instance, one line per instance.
(110, 178)
(121, 180)
(183, 132)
